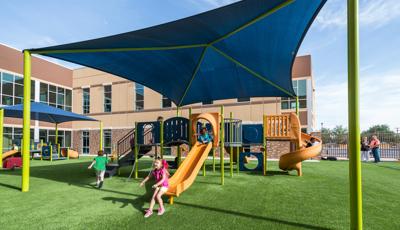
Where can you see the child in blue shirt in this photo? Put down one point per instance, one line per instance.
(204, 137)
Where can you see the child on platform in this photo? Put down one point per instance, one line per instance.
(204, 137)
(160, 174)
(99, 164)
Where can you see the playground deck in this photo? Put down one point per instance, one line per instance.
(62, 197)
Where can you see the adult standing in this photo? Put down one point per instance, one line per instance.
(365, 149)
(374, 145)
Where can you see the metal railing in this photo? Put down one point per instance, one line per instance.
(127, 142)
(336, 145)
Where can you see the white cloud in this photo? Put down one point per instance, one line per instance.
(379, 101)
(372, 13)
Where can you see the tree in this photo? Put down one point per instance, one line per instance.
(340, 134)
(379, 129)
(326, 135)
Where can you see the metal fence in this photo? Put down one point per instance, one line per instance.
(336, 145)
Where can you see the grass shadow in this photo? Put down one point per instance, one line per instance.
(10, 186)
(252, 216)
(388, 167)
(138, 203)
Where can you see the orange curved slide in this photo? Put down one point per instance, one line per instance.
(190, 167)
(292, 160)
(10, 153)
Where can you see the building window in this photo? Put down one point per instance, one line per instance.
(44, 93)
(55, 96)
(85, 142)
(139, 97)
(86, 101)
(107, 136)
(107, 98)
(12, 89)
(166, 102)
(208, 102)
(243, 99)
(68, 100)
(300, 88)
(7, 89)
(13, 135)
(60, 98)
(49, 136)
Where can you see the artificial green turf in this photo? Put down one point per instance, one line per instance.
(62, 197)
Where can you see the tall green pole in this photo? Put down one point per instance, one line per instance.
(177, 111)
(213, 156)
(101, 136)
(190, 128)
(26, 133)
(297, 105)
(265, 157)
(222, 140)
(231, 140)
(1, 137)
(353, 113)
(179, 155)
(136, 146)
(56, 141)
(237, 159)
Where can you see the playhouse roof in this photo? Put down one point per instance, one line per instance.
(245, 49)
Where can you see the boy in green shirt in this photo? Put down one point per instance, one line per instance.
(99, 164)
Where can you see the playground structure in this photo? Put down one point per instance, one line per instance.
(53, 152)
(223, 56)
(238, 141)
(287, 127)
(12, 159)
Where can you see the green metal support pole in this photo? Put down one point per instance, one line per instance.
(101, 136)
(222, 140)
(51, 152)
(190, 128)
(136, 151)
(297, 106)
(354, 116)
(1, 136)
(177, 111)
(26, 132)
(162, 139)
(213, 158)
(56, 141)
(231, 140)
(265, 157)
(237, 159)
(41, 149)
(179, 155)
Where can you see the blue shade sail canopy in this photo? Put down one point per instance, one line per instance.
(245, 49)
(43, 112)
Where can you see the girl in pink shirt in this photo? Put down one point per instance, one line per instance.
(160, 174)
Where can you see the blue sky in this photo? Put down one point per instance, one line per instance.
(57, 22)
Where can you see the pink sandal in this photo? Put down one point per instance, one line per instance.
(161, 211)
(148, 213)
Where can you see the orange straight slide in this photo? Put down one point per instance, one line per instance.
(188, 170)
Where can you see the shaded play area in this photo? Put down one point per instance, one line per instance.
(203, 59)
(66, 188)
